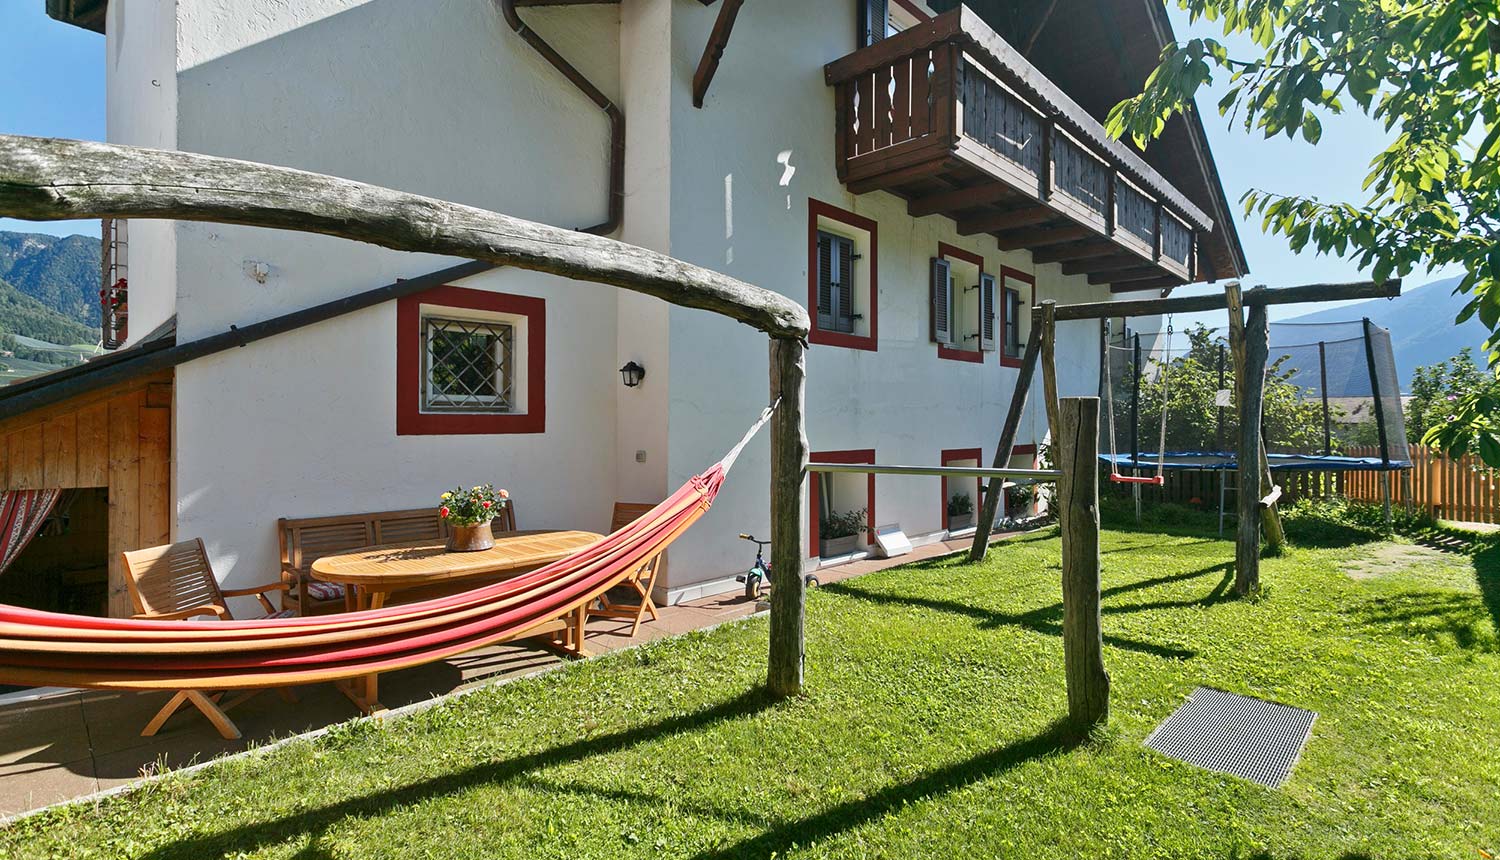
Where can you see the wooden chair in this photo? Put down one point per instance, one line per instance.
(176, 582)
(631, 598)
(307, 539)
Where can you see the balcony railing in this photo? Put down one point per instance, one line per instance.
(950, 116)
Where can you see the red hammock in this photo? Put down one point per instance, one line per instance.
(53, 649)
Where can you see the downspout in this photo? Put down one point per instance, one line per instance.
(616, 208)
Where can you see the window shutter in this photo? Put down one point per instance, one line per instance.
(942, 301)
(986, 312)
(872, 17)
(845, 297)
(825, 281)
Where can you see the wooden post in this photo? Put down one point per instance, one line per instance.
(995, 488)
(1271, 515)
(788, 465)
(1049, 364)
(1076, 441)
(1252, 375)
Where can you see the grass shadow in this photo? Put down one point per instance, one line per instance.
(779, 840)
(315, 822)
(1046, 620)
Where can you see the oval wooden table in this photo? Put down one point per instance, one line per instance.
(370, 575)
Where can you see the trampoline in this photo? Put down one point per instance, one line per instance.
(1332, 394)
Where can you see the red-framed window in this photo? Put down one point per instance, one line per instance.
(843, 277)
(114, 287)
(1017, 295)
(964, 321)
(470, 362)
(961, 457)
(815, 493)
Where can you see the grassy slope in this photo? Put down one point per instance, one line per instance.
(928, 732)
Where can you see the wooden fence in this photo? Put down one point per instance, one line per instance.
(1463, 489)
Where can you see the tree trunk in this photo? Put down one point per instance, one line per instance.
(995, 489)
(788, 465)
(1076, 442)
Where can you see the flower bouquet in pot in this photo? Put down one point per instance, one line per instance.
(468, 514)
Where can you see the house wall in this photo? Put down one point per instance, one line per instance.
(767, 99)
(141, 110)
(438, 98)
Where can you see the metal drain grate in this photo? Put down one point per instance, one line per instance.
(1250, 738)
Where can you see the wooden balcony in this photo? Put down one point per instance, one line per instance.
(955, 120)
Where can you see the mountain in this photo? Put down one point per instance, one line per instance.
(60, 272)
(1420, 321)
(29, 322)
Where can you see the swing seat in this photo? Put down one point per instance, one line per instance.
(1155, 481)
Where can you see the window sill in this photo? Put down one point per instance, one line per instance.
(843, 339)
(952, 354)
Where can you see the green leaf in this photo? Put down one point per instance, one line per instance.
(1312, 129)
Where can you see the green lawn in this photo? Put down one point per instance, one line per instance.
(929, 730)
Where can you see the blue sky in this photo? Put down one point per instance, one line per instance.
(52, 84)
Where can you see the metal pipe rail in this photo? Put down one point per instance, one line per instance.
(936, 471)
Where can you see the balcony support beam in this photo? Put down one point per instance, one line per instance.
(1000, 222)
(1079, 251)
(1166, 282)
(885, 181)
(1139, 273)
(1102, 264)
(959, 199)
(1038, 237)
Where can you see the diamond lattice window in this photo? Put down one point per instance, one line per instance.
(468, 366)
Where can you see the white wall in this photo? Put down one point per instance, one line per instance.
(903, 400)
(438, 98)
(141, 110)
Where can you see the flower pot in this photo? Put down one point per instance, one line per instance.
(470, 538)
(960, 521)
(832, 547)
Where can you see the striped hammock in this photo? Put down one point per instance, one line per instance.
(53, 649)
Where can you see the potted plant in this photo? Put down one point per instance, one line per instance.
(838, 533)
(468, 514)
(1018, 499)
(960, 512)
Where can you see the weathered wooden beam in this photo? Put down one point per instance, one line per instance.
(1077, 441)
(1049, 364)
(1019, 240)
(788, 551)
(1079, 251)
(1139, 273)
(1270, 515)
(713, 52)
(995, 488)
(1163, 282)
(885, 181)
(959, 199)
(47, 180)
(1189, 304)
(999, 222)
(1089, 266)
(567, 2)
(1252, 394)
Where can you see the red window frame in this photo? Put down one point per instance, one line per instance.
(975, 356)
(949, 455)
(858, 455)
(1008, 274)
(870, 342)
(411, 420)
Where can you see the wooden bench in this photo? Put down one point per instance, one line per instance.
(305, 540)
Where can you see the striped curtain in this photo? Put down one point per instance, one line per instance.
(22, 513)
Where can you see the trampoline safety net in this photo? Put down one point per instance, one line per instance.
(1332, 399)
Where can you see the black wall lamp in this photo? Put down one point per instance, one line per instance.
(632, 374)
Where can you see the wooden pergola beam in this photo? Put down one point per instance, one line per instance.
(1017, 240)
(1188, 304)
(43, 179)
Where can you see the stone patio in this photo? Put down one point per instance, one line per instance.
(75, 743)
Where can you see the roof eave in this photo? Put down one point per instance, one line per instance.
(88, 14)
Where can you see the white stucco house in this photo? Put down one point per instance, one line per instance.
(919, 173)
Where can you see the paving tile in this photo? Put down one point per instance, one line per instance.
(51, 730)
(34, 787)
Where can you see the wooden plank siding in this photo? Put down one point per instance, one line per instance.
(119, 439)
